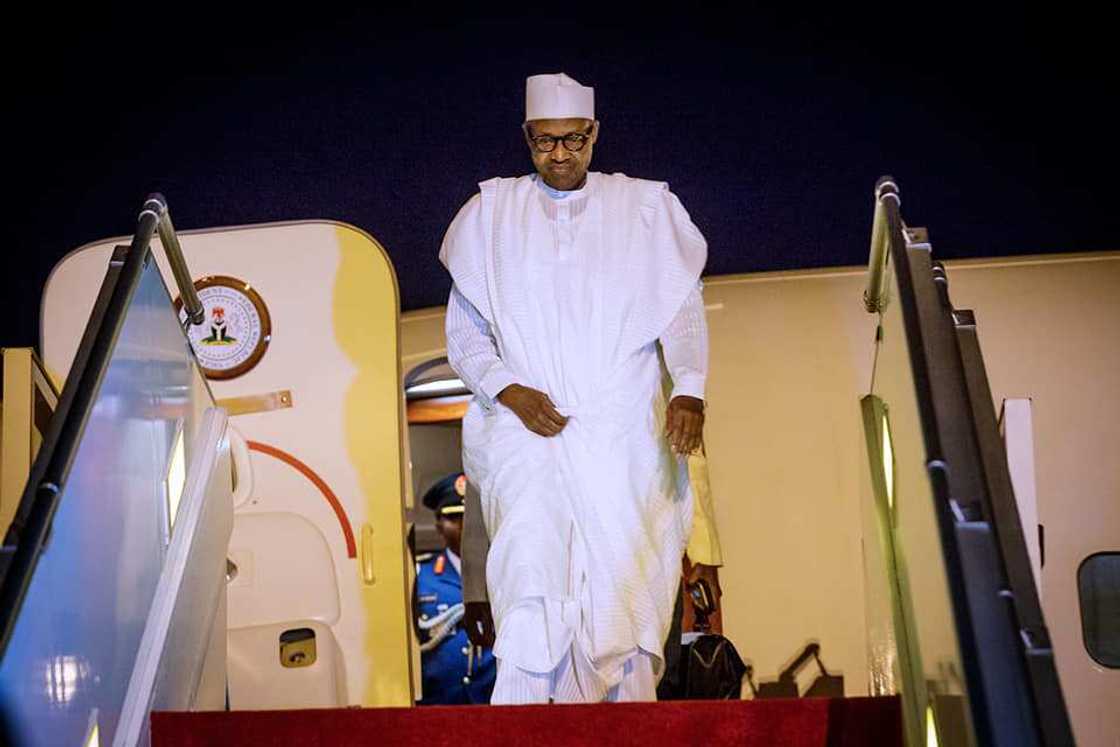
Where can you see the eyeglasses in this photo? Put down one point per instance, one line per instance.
(573, 141)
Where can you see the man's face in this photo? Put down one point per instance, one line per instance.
(451, 529)
(563, 167)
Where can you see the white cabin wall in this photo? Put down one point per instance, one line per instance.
(791, 355)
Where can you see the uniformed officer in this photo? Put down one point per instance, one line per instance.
(454, 671)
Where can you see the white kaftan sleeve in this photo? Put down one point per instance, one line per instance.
(472, 352)
(685, 345)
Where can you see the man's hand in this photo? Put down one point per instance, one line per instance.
(684, 424)
(479, 624)
(710, 574)
(534, 408)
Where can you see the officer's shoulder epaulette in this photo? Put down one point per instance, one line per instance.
(424, 557)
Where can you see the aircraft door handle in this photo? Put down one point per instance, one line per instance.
(365, 555)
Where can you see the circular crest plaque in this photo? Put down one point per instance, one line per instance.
(236, 331)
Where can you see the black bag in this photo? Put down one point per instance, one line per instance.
(711, 669)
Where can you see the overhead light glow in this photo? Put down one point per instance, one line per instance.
(441, 386)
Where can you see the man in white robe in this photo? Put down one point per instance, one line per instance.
(570, 287)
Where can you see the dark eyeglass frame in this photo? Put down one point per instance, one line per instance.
(548, 143)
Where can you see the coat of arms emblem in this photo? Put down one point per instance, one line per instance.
(237, 330)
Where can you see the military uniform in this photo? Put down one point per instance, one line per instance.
(453, 671)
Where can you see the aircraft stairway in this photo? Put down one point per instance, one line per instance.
(115, 572)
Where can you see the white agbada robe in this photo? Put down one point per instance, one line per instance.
(587, 528)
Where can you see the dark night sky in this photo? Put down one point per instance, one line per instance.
(771, 127)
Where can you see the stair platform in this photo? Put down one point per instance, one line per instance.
(807, 722)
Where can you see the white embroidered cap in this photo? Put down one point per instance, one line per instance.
(557, 97)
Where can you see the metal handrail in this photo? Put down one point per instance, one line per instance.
(156, 206)
(29, 530)
(886, 201)
(31, 526)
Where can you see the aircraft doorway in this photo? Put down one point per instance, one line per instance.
(436, 402)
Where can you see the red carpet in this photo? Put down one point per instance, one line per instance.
(847, 722)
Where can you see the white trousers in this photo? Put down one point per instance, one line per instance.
(574, 681)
